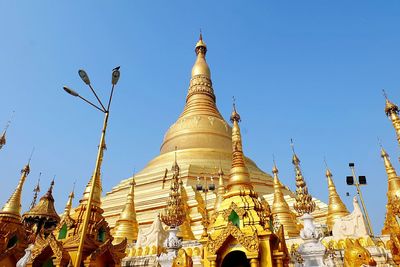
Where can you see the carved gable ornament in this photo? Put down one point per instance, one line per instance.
(251, 243)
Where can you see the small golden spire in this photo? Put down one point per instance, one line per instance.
(304, 202)
(392, 112)
(127, 225)
(336, 207)
(13, 206)
(239, 176)
(68, 207)
(36, 190)
(220, 191)
(200, 67)
(280, 208)
(392, 194)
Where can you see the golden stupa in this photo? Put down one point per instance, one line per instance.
(204, 141)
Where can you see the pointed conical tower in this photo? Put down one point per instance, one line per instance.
(336, 207)
(240, 221)
(393, 194)
(281, 210)
(392, 112)
(220, 192)
(13, 239)
(304, 202)
(3, 139)
(66, 222)
(36, 191)
(127, 225)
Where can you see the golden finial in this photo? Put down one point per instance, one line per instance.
(36, 190)
(390, 108)
(390, 224)
(3, 140)
(304, 202)
(68, 207)
(280, 208)
(336, 207)
(127, 225)
(174, 214)
(220, 191)
(239, 176)
(200, 67)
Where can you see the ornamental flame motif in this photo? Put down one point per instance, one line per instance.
(174, 215)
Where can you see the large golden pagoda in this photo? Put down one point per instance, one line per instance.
(203, 139)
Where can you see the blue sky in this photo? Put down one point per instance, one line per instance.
(308, 70)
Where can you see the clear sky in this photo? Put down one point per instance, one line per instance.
(308, 70)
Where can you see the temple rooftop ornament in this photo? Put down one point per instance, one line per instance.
(173, 214)
(36, 191)
(43, 214)
(391, 224)
(13, 235)
(304, 202)
(280, 208)
(392, 112)
(127, 225)
(336, 207)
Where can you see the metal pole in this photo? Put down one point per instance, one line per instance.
(362, 200)
(95, 177)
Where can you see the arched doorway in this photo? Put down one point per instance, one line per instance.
(235, 259)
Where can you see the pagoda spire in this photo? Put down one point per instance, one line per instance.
(220, 190)
(239, 176)
(392, 112)
(13, 206)
(36, 191)
(280, 208)
(304, 203)
(127, 225)
(68, 206)
(392, 194)
(336, 207)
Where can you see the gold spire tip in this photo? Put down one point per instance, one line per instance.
(235, 115)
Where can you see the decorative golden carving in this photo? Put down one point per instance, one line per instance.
(251, 243)
(239, 211)
(40, 245)
(304, 202)
(355, 255)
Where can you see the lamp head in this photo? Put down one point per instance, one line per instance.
(70, 91)
(115, 76)
(84, 76)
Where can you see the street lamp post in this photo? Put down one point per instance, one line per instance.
(352, 180)
(205, 187)
(96, 173)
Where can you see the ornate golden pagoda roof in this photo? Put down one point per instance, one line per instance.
(45, 208)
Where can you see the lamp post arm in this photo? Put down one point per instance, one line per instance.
(98, 99)
(90, 103)
(94, 180)
(111, 95)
